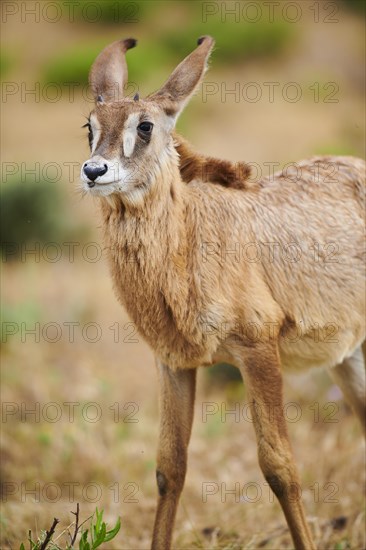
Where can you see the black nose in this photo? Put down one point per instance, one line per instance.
(92, 170)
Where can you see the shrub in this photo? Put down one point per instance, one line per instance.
(90, 539)
(359, 6)
(30, 212)
(73, 65)
(234, 41)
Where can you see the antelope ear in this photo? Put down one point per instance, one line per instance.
(185, 79)
(108, 74)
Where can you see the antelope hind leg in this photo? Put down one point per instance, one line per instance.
(350, 377)
(261, 372)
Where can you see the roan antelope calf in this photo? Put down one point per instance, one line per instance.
(170, 237)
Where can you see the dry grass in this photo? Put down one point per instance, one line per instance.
(43, 458)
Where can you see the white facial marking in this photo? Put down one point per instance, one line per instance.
(96, 131)
(130, 134)
(116, 178)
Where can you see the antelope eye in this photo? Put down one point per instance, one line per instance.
(145, 128)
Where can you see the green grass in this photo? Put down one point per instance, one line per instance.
(6, 64)
(28, 312)
(342, 149)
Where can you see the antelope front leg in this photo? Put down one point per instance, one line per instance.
(177, 393)
(261, 372)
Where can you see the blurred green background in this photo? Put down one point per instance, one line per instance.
(313, 48)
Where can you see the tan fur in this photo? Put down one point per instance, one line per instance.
(196, 265)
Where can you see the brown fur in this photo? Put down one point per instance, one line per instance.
(181, 263)
(194, 166)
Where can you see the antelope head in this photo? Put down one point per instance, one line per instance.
(131, 140)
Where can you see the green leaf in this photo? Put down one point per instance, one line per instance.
(83, 543)
(113, 532)
(99, 519)
(100, 538)
(96, 527)
(33, 545)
